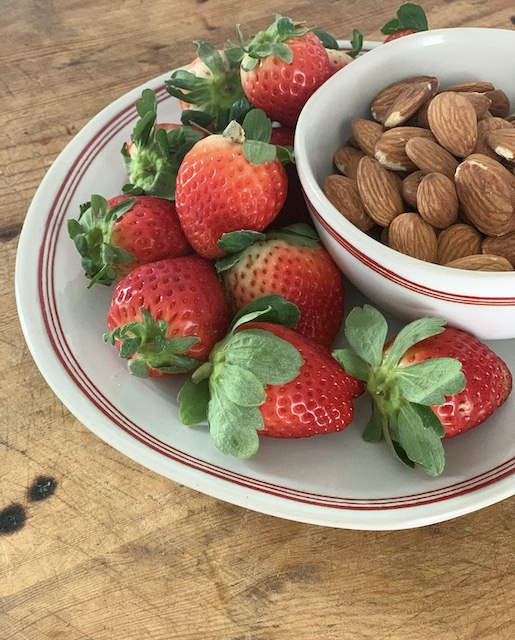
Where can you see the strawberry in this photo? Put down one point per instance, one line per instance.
(399, 34)
(166, 316)
(291, 263)
(153, 154)
(488, 378)
(281, 67)
(432, 382)
(338, 58)
(265, 379)
(114, 236)
(411, 18)
(228, 182)
(211, 85)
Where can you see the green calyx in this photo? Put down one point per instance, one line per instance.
(145, 344)
(401, 395)
(235, 243)
(91, 233)
(254, 135)
(271, 42)
(156, 154)
(228, 390)
(409, 16)
(214, 92)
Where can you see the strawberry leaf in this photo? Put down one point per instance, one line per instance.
(353, 364)
(409, 16)
(241, 385)
(194, 399)
(356, 43)
(418, 439)
(374, 430)
(272, 363)
(411, 334)
(233, 427)
(430, 381)
(366, 330)
(326, 39)
(271, 308)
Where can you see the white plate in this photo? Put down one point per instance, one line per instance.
(334, 480)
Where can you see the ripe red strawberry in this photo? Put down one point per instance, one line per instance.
(208, 88)
(291, 263)
(114, 236)
(488, 379)
(228, 182)
(265, 379)
(411, 18)
(281, 67)
(166, 316)
(318, 400)
(429, 383)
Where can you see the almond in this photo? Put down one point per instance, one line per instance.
(437, 200)
(379, 191)
(486, 192)
(409, 187)
(480, 101)
(481, 262)
(346, 160)
(365, 134)
(453, 121)
(408, 102)
(343, 194)
(502, 246)
(471, 85)
(390, 148)
(502, 142)
(410, 234)
(484, 126)
(500, 103)
(430, 157)
(384, 100)
(457, 241)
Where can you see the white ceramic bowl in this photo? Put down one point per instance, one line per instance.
(480, 302)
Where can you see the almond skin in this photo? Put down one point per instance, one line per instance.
(409, 187)
(407, 103)
(437, 200)
(343, 193)
(413, 236)
(457, 241)
(453, 121)
(502, 142)
(430, 157)
(346, 160)
(502, 246)
(481, 262)
(486, 191)
(379, 190)
(384, 100)
(484, 127)
(390, 148)
(365, 134)
(500, 106)
(478, 86)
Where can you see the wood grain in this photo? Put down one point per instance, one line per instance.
(118, 552)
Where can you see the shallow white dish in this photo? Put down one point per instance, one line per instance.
(336, 480)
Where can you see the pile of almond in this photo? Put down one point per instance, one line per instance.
(432, 173)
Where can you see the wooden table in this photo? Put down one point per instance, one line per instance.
(105, 549)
